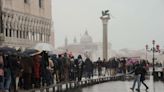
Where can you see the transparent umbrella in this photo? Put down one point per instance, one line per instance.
(44, 47)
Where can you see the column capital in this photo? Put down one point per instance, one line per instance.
(105, 19)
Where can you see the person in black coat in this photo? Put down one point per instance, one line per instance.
(142, 78)
(61, 69)
(99, 66)
(79, 67)
(137, 76)
(88, 68)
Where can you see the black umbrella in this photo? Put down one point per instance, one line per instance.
(21, 54)
(8, 50)
(31, 52)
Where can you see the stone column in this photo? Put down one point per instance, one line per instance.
(105, 36)
(5, 24)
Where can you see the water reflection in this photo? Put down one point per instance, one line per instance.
(119, 86)
(76, 90)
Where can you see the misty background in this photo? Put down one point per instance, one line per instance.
(133, 24)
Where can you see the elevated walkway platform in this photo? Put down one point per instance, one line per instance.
(75, 84)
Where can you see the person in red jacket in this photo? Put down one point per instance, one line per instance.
(37, 70)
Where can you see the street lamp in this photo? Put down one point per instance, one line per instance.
(146, 50)
(154, 50)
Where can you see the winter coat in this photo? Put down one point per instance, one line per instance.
(1, 66)
(143, 73)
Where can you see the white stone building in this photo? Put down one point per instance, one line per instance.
(25, 22)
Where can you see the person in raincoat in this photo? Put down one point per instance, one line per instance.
(72, 71)
(66, 64)
(1, 72)
(79, 67)
(44, 71)
(88, 68)
(99, 66)
(37, 70)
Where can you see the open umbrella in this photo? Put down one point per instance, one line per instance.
(129, 62)
(44, 47)
(8, 50)
(31, 52)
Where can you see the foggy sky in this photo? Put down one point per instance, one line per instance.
(133, 24)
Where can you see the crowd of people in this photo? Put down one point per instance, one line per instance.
(43, 69)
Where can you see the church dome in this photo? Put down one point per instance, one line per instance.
(86, 38)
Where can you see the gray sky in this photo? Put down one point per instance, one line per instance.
(134, 23)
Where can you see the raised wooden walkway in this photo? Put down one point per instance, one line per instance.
(74, 84)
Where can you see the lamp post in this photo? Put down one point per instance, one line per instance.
(154, 50)
(146, 50)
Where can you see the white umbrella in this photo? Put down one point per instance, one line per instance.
(44, 46)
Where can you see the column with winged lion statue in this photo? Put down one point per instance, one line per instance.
(105, 17)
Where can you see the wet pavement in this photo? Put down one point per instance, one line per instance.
(122, 86)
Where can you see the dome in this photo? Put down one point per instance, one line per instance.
(86, 38)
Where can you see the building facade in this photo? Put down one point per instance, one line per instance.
(25, 22)
(52, 36)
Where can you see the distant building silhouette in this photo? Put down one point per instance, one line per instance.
(86, 47)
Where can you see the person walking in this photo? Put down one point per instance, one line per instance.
(72, 69)
(37, 70)
(99, 66)
(137, 76)
(15, 70)
(88, 68)
(7, 74)
(142, 79)
(79, 67)
(66, 64)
